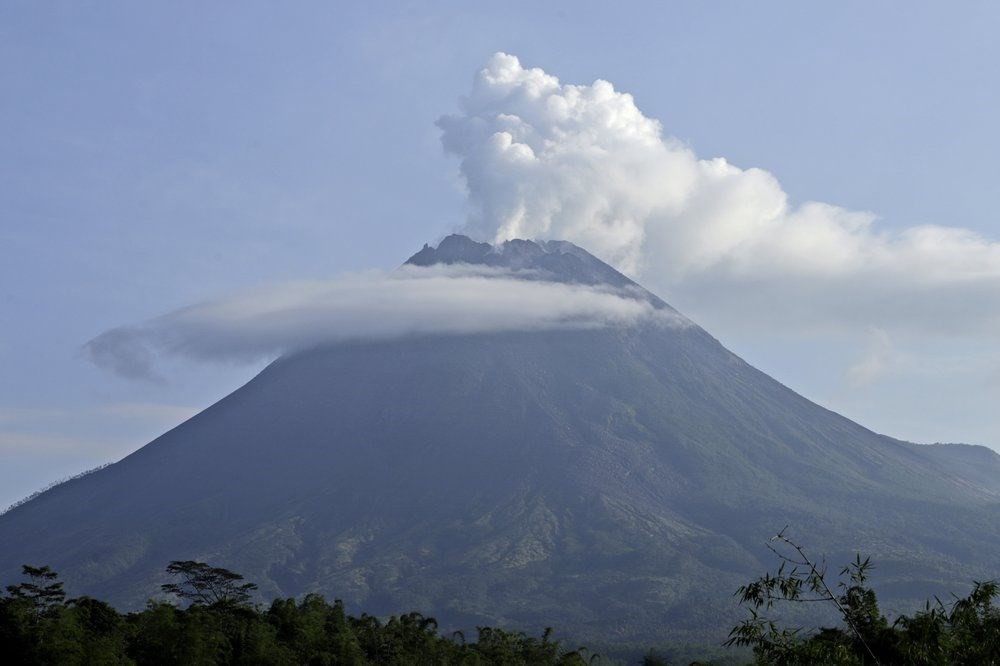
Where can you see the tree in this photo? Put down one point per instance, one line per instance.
(966, 632)
(220, 627)
(205, 585)
(43, 590)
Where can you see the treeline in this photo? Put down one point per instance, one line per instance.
(963, 631)
(217, 624)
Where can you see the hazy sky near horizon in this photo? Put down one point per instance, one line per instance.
(158, 155)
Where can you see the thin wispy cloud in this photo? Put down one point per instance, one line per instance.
(93, 432)
(281, 318)
(51, 444)
(132, 411)
(876, 360)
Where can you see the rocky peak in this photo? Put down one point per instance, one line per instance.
(555, 261)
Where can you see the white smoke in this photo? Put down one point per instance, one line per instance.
(543, 159)
(266, 322)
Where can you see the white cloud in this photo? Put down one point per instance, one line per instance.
(543, 159)
(876, 361)
(93, 433)
(17, 443)
(268, 321)
(132, 411)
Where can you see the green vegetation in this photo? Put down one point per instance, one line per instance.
(215, 622)
(965, 631)
(585, 480)
(219, 625)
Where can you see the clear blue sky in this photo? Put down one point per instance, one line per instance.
(156, 154)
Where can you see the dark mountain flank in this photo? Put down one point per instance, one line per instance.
(599, 480)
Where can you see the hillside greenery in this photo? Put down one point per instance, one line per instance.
(216, 623)
(213, 620)
(964, 631)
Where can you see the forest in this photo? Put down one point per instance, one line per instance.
(213, 619)
(215, 622)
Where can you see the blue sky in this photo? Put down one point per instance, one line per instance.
(157, 155)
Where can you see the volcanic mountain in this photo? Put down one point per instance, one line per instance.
(615, 482)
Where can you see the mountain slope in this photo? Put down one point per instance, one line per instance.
(600, 480)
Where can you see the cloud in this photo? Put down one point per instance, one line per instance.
(548, 160)
(21, 443)
(876, 360)
(84, 434)
(275, 319)
(134, 411)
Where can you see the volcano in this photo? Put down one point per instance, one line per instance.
(615, 482)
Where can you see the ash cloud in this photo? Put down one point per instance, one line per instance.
(545, 159)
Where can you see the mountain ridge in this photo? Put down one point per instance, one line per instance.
(585, 478)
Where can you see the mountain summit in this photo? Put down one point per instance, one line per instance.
(617, 482)
(557, 261)
(551, 261)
